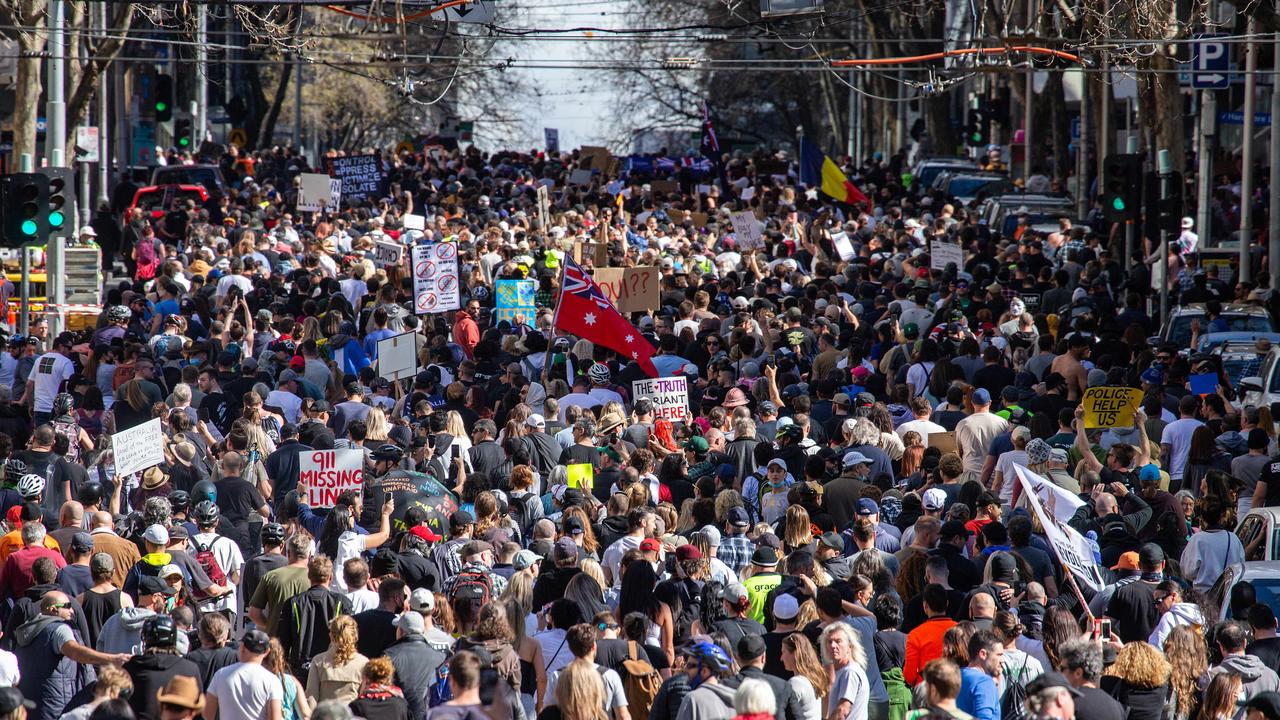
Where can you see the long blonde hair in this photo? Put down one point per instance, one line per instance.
(797, 533)
(376, 425)
(342, 638)
(580, 692)
(808, 665)
(455, 426)
(1185, 649)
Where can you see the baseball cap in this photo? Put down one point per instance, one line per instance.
(867, 506)
(688, 552)
(737, 517)
(461, 519)
(832, 540)
(1127, 561)
(150, 584)
(735, 594)
(535, 421)
(573, 526)
(525, 559)
(1149, 473)
(934, 499)
(156, 534)
(11, 698)
(712, 534)
(981, 397)
(81, 542)
(410, 623)
(750, 647)
(1267, 703)
(953, 528)
(256, 641)
(425, 533)
(764, 556)
(698, 444)
(1052, 680)
(785, 607)
(853, 457)
(565, 549)
(1058, 455)
(423, 601)
(1150, 555)
(650, 545)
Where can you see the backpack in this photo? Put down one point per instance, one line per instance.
(475, 585)
(640, 681)
(523, 512)
(209, 563)
(147, 261)
(899, 693)
(441, 693)
(1013, 702)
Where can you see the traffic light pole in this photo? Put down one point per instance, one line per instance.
(1130, 228)
(1246, 151)
(1273, 232)
(1162, 167)
(24, 291)
(1204, 162)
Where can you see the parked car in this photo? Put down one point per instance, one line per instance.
(1210, 342)
(207, 176)
(156, 200)
(927, 170)
(1263, 575)
(1240, 318)
(966, 186)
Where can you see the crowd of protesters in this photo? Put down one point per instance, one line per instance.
(836, 529)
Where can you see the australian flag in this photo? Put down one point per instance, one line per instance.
(711, 148)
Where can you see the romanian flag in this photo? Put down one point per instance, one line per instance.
(818, 170)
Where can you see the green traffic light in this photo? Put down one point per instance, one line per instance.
(1118, 203)
(55, 220)
(184, 141)
(160, 106)
(29, 227)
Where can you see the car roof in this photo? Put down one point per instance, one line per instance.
(1232, 309)
(1238, 336)
(1262, 570)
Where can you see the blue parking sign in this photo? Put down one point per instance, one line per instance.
(1210, 64)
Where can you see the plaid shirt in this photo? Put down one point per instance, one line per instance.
(447, 556)
(499, 583)
(735, 551)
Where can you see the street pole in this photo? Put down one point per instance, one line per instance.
(55, 285)
(200, 123)
(1273, 232)
(1082, 153)
(26, 165)
(1130, 227)
(1163, 168)
(1026, 110)
(1204, 163)
(1246, 151)
(853, 98)
(103, 100)
(1104, 116)
(56, 123)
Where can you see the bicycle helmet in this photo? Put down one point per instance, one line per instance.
(118, 314)
(204, 490)
(387, 451)
(63, 404)
(180, 500)
(710, 655)
(159, 631)
(91, 493)
(14, 468)
(30, 486)
(205, 514)
(599, 373)
(272, 533)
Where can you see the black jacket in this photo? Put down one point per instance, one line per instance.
(282, 467)
(376, 631)
(741, 453)
(667, 703)
(416, 663)
(964, 575)
(788, 705)
(487, 456)
(152, 671)
(304, 626)
(544, 452)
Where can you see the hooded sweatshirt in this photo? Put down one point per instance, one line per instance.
(1255, 675)
(708, 701)
(122, 632)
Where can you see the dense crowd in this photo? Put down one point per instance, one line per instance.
(837, 528)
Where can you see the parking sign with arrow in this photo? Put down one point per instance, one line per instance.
(477, 11)
(1211, 64)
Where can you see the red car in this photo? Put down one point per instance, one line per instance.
(156, 200)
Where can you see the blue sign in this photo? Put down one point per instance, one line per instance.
(1075, 128)
(1237, 118)
(1211, 63)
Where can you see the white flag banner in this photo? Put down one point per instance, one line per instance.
(1073, 551)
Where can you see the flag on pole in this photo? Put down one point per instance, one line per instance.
(584, 311)
(818, 170)
(711, 149)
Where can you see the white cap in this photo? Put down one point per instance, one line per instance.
(156, 534)
(411, 622)
(712, 534)
(88, 230)
(535, 421)
(934, 499)
(785, 607)
(1188, 223)
(422, 600)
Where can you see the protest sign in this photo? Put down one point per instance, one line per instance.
(844, 246)
(580, 177)
(138, 448)
(943, 253)
(1056, 501)
(1073, 551)
(435, 278)
(669, 395)
(414, 222)
(633, 289)
(398, 356)
(313, 192)
(580, 475)
(748, 230)
(551, 139)
(516, 297)
(361, 175)
(326, 474)
(1108, 407)
(747, 193)
(944, 441)
(387, 253)
(664, 186)
(1203, 383)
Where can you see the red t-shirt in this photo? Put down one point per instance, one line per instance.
(15, 575)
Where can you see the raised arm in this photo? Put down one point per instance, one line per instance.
(1082, 443)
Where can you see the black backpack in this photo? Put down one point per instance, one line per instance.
(522, 511)
(1013, 702)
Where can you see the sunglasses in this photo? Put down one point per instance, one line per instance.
(606, 626)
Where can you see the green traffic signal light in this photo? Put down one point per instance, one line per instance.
(185, 141)
(160, 106)
(1118, 203)
(56, 219)
(29, 227)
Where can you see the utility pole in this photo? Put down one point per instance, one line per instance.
(25, 165)
(55, 143)
(200, 121)
(1273, 232)
(1104, 115)
(103, 99)
(1027, 107)
(1082, 152)
(1246, 150)
(1204, 163)
(851, 149)
(1163, 168)
(1131, 227)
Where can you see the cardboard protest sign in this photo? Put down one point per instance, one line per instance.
(1073, 551)
(1108, 407)
(516, 297)
(326, 474)
(664, 186)
(844, 246)
(398, 356)
(633, 289)
(435, 278)
(943, 253)
(944, 441)
(1056, 501)
(413, 221)
(580, 177)
(551, 140)
(138, 448)
(748, 230)
(361, 175)
(387, 253)
(580, 475)
(669, 395)
(313, 192)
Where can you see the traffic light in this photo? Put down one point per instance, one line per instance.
(182, 133)
(1122, 187)
(164, 98)
(975, 131)
(25, 194)
(1169, 209)
(57, 211)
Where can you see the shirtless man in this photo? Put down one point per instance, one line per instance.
(1068, 365)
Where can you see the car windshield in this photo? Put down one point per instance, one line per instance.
(1180, 328)
(1249, 323)
(1241, 366)
(150, 201)
(1268, 591)
(966, 187)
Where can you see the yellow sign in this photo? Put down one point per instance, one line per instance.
(238, 137)
(405, 147)
(1108, 407)
(581, 476)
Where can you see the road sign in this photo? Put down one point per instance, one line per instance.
(1237, 118)
(1211, 63)
(477, 11)
(1075, 128)
(86, 149)
(238, 137)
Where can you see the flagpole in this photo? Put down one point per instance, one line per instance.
(555, 315)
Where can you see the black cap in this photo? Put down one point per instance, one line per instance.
(149, 584)
(1150, 555)
(11, 698)
(1267, 703)
(764, 556)
(256, 641)
(953, 528)
(461, 519)
(750, 647)
(1051, 680)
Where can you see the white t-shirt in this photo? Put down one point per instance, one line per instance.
(244, 690)
(1009, 476)
(924, 427)
(850, 684)
(1177, 435)
(613, 556)
(229, 558)
(289, 404)
(361, 600)
(50, 371)
(918, 377)
(226, 281)
(350, 544)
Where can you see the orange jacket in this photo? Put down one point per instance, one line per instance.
(465, 332)
(924, 644)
